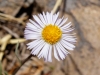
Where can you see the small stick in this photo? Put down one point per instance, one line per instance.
(22, 64)
(10, 31)
(56, 6)
(4, 42)
(8, 17)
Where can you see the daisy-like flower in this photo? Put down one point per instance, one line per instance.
(49, 33)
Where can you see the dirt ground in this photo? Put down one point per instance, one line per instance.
(84, 60)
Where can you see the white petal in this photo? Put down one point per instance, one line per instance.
(33, 30)
(55, 17)
(71, 45)
(68, 35)
(67, 45)
(27, 31)
(37, 48)
(47, 55)
(45, 17)
(30, 36)
(42, 19)
(63, 49)
(50, 54)
(58, 21)
(30, 25)
(35, 24)
(70, 39)
(30, 30)
(66, 25)
(32, 44)
(44, 52)
(51, 18)
(61, 55)
(63, 22)
(38, 21)
(56, 53)
(67, 30)
(48, 18)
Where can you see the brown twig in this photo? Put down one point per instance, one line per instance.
(22, 64)
(5, 40)
(10, 31)
(8, 17)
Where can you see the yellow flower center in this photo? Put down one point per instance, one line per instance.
(51, 34)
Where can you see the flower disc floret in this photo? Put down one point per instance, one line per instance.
(51, 34)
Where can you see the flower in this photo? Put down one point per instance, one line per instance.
(49, 34)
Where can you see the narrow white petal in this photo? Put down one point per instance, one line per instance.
(47, 53)
(55, 17)
(44, 52)
(68, 35)
(63, 22)
(35, 24)
(69, 44)
(66, 25)
(63, 49)
(48, 18)
(57, 14)
(34, 30)
(45, 17)
(37, 48)
(38, 21)
(58, 22)
(31, 32)
(51, 18)
(67, 30)
(56, 53)
(50, 54)
(61, 55)
(32, 44)
(42, 19)
(30, 36)
(70, 39)
(30, 25)
(66, 45)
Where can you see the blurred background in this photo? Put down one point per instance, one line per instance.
(84, 60)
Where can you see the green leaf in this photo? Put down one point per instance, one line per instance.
(0, 68)
(5, 73)
(17, 53)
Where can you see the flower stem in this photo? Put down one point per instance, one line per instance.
(23, 63)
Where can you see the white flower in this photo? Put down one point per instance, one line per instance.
(49, 33)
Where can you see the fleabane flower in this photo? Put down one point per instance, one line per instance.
(49, 34)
